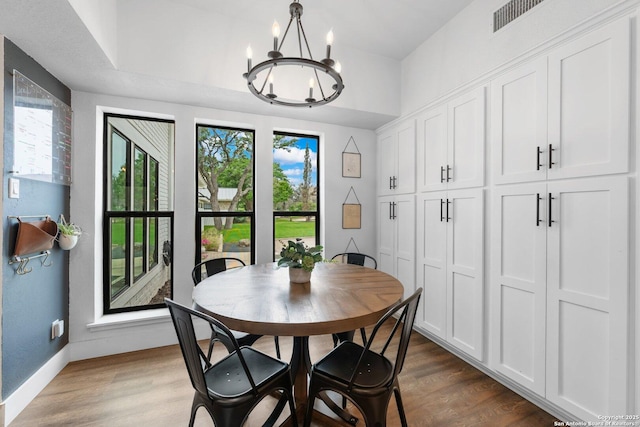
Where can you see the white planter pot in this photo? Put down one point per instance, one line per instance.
(299, 275)
(66, 241)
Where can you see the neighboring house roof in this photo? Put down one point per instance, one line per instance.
(224, 194)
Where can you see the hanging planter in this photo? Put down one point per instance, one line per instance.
(68, 234)
(67, 241)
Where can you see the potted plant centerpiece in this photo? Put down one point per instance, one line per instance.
(68, 236)
(300, 259)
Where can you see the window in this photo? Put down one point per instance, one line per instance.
(224, 178)
(138, 213)
(296, 207)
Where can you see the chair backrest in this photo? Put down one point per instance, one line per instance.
(356, 258)
(406, 311)
(195, 360)
(213, 266)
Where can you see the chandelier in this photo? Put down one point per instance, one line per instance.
(297, 71)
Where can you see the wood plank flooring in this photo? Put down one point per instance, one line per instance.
(152, 388)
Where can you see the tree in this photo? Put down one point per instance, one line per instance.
(282, 190)
(220, 152)
(305, 187)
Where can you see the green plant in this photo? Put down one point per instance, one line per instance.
(298, 255)
(69, 229)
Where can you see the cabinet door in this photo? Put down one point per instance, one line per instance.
(587, 296)
(465, 280)
(518, 284)
(431, 258)
(386, 235)
(431, 149)
(589, 103)
(405, 168)
(519, 124)
(386, 162)
(466, 135)
(405, 241)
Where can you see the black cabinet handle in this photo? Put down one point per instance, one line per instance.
(394, 210)
(390, 183)
(441, 210)
(395, 185)
(448, 202)
(539, 151)
(551, 150)
(549, 220)
(390, 217)
(441, 174)
(538, 198)
(449, 169)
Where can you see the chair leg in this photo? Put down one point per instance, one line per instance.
(374, 410)
(311, 400)
(276, 340)
(403, 418)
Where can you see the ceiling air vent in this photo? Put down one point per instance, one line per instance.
(511, 11)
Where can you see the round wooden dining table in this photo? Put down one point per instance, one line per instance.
(259, 299)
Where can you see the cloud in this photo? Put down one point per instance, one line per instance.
(295, 155)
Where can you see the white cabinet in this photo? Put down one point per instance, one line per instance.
(450, 144)
(450, 267)
(565, 115)
(396, 239)
(559, 291)
(396, 159)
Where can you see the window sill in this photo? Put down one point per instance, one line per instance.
(128, 320)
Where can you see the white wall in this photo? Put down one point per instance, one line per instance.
(466, 48)
(127, 331)
(101, 21)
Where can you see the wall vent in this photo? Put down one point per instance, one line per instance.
(511, 11)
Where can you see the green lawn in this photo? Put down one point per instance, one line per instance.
(286, 228)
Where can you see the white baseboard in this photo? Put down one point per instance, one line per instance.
(19, 399)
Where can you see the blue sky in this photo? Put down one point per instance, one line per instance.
(292, 161)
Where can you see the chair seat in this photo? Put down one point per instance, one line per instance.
(341, 361)
(227, 379)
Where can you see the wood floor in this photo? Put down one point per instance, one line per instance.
(152, 388)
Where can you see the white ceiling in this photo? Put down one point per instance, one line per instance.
(52, 33)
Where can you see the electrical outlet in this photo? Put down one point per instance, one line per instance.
(57, 329)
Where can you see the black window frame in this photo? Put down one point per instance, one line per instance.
(315, 213)
(129, 215)
(225, 214)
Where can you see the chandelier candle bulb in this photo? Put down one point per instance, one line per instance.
(329, 43)
(271, 84)
(275, 30)
(249, 55)
(311, 88)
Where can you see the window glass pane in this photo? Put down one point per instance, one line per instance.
(118, 261)
(139, 182)
(118, 172)
(152, 243)
(153, 184)
(295, 173)
(138, 247)
(292, 228)
(225, 170)
(224, 237)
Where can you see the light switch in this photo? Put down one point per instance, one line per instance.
(14, 188)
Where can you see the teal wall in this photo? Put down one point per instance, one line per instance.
(30, 303)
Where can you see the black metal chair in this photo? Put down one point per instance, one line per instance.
(365, 377)
(230, 388)
(208, 268)
(356, 259)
